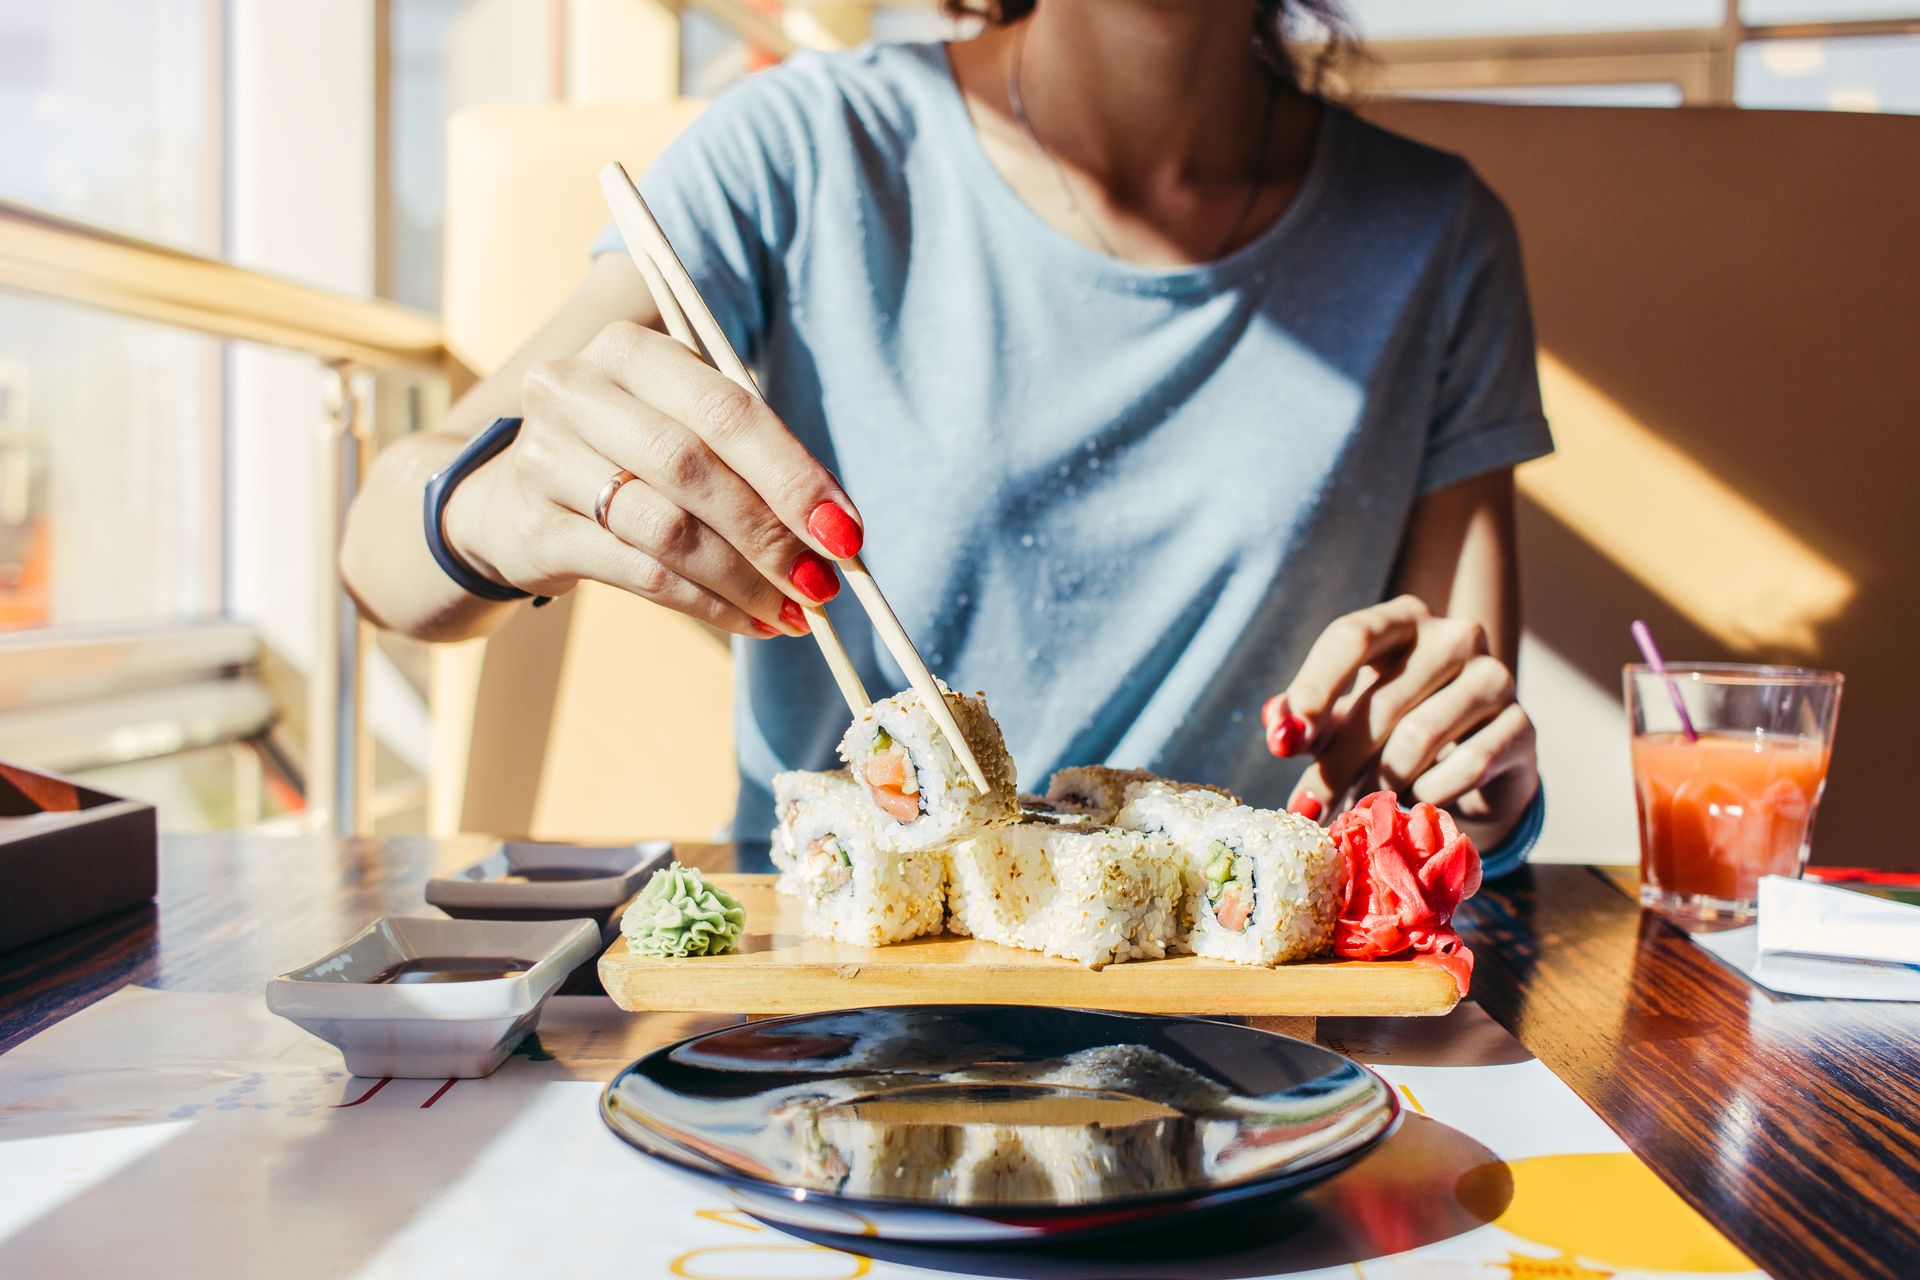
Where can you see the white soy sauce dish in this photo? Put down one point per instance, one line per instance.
(546, 880)
(426, 998)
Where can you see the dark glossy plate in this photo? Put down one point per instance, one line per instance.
(996, 1124)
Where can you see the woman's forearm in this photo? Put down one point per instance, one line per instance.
(1458, 556)
(384, 557)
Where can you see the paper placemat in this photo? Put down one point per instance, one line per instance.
(169, 1134)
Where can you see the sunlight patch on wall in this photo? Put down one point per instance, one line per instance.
(1709, 552)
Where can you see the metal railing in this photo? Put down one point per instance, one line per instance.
(47, 256)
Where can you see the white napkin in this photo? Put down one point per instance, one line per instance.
(1809, 919)
(1820, 940)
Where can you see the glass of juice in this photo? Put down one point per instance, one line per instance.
(1736, 800)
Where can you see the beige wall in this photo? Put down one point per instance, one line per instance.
(1727, 309)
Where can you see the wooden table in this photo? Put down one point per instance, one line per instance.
(1793, 1125)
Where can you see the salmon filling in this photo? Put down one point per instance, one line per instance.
(891, 780)
(1229, 878)
(826, 866)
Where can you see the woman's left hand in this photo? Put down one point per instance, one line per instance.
(1393, 698)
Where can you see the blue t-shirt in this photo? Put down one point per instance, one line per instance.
(1122, 501)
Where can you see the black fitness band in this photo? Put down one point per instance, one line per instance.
(479, 450)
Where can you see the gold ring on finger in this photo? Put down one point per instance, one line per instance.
(604, 503)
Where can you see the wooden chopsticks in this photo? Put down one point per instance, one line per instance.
(689, 320)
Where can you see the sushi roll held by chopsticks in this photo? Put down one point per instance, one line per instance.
(918, 783)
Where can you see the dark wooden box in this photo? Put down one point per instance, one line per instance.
(68, 855)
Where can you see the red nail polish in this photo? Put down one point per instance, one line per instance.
(815, 578)
(836, 530)
(1288, 736)
(1270, 714)
(764, 629)
(1308, 807)
(794, 616)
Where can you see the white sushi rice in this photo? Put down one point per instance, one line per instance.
(808, 806)
(1291, 864)
(950, 806)
(1091, 894)
(885, 896)
(851, 889)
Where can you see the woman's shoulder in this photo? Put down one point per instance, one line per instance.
(1384, 166)
(880, 91)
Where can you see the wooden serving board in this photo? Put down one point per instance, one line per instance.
(780, 970)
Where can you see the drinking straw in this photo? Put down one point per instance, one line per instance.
(1651, 652)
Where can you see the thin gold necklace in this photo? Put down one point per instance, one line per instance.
(1066, 186)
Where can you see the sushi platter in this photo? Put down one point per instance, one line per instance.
(778, 970)
(902, 883)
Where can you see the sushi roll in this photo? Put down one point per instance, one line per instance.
(1101, 792)
(1091, 894)
(808, 807)
(1039, 809)
(852, 890)
(1265, 885)
(995, 1167)
(1133, 1070)
(919, 790)
(842, 1151)
(1104, 1161)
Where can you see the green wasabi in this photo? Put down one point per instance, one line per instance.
(680, 914)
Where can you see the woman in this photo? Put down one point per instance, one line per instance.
(1173, 406)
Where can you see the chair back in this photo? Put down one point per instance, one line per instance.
(600, 716)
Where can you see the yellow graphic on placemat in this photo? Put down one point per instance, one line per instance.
(769, 1262)
(792, 1261)
(1606, 1208)
(1565, 1267)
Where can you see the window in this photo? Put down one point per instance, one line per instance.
(1653, 93)
(1842, 55)
(109, 429)
(1425, 20)
(1850, 73)
(446, 55)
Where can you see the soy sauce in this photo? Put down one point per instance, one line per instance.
(424, 969)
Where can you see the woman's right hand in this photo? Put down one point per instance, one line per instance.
(729, 519)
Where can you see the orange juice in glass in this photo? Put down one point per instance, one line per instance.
(1735, 800)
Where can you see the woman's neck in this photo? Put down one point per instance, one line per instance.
(1142, 92)
(1143, 124)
